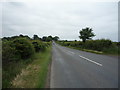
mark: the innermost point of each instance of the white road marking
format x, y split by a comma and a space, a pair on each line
91, 60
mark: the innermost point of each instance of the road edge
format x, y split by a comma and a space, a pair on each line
47, 84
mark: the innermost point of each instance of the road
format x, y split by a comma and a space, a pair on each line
78, 69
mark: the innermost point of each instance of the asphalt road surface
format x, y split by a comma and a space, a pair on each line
78, 69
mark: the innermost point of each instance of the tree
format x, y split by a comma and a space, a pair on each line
86, 34
35, 37
75, 40
44, 38
49, 38
22, 36
56, 38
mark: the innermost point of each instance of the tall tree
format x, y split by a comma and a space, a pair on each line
86, 34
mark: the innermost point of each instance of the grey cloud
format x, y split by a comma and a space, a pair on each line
62, 19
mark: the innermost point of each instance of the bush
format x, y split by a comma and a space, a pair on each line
23, 47
98, 45
19, 48
39, 46
47, 44
8, 52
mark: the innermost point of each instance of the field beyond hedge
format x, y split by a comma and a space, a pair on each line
100, 46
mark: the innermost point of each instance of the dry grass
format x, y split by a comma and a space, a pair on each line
34, 75
27, 78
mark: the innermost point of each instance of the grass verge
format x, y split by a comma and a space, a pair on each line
87, 50
35, 74
107, 51
28, 75
10, 71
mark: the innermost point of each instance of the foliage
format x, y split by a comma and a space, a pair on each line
98, 44
39, 46
44, 38
49, 38
104, 45
17, 52
8, 52
86, 34
36, 71
23, 47
9, 72
35, 37
55, 38
14, 37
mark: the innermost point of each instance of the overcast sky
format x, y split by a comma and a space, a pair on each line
64, 19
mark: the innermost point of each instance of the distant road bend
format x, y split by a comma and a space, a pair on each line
78, 69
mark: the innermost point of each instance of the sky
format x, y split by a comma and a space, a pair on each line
63, 18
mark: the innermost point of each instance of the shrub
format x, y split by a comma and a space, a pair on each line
89, 44
19, 48
39, 46
112, 50
46, 44
8, 52
98, 44
23, 47
66, 43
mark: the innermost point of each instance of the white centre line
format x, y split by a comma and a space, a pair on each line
91, 60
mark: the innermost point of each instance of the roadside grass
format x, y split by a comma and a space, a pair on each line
0, 63
87, 50
10, 71
107, 51
0, 77
112, 51
35, 74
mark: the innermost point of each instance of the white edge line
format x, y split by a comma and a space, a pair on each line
91, 60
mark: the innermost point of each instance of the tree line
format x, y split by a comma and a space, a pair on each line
35, 37
46, 38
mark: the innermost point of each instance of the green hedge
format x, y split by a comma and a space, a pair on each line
104, 45
19, 48
23, 47
38, 45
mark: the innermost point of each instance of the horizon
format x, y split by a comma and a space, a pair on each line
60, 38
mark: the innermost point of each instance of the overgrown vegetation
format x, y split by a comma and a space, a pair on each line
34, 75
102, 45
17, 53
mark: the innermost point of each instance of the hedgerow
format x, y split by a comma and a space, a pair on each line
104, 45
39, 46
17, 52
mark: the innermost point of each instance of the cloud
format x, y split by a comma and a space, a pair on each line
64, 19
